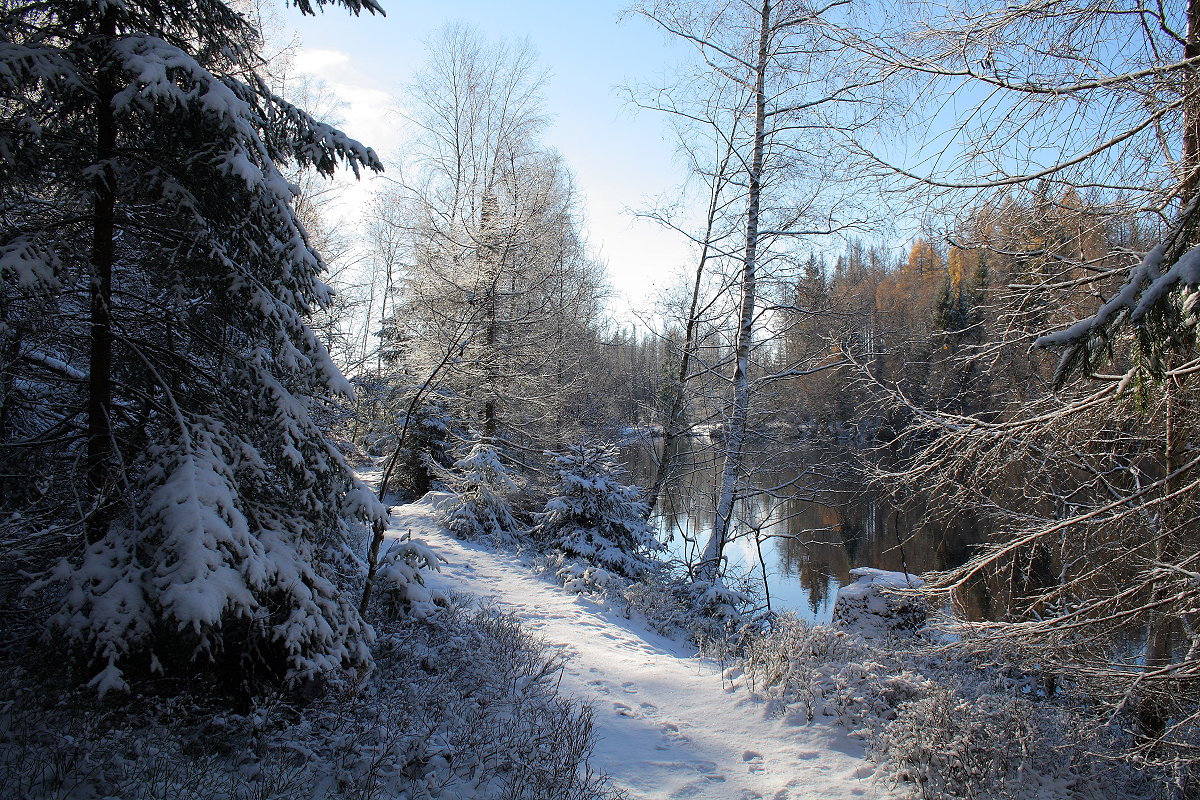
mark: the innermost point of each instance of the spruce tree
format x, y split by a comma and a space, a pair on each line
596, 517
156, 369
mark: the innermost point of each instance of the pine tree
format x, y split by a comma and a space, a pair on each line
157, 370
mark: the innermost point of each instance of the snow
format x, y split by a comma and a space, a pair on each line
1147, 285
872, 606
155, 65
668, 724
481, 486
596, 517
869, 581
194, 563
54, 365
29, 264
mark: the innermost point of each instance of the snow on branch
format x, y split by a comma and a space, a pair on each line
318, 144
164, 76
354, 6
200, 561
54, 365
1147, 288
29, 264
20, 64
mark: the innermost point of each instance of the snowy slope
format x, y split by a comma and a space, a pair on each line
668, 726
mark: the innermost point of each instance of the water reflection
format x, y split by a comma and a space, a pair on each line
816, 524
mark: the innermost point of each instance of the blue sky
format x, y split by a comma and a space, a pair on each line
621, 157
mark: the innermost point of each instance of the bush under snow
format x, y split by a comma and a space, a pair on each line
207, 574
945, 726
481, 487
463, 705
400, 578
879, 603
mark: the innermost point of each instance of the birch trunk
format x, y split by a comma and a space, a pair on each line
710, 564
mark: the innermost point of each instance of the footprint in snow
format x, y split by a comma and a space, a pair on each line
670, 731
649, 708
624, 710
753, 760
630, 687
697, 787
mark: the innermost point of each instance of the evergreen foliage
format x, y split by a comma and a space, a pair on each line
594, 516
155, 288
428, 442
402, 579
482, 487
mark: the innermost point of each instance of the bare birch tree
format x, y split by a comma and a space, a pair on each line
764, 79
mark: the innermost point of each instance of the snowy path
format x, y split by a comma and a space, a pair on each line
667, 725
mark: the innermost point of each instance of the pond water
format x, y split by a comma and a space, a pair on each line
816, 524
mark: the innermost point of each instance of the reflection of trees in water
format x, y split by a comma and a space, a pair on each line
688, 499
821, 524
814, 550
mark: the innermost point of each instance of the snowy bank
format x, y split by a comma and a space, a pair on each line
876, 604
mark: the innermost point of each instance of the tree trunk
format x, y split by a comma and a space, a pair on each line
492, 382
8, 358
99, 423
490, 254
1191, 107
710, 563
674, 421
1151, 714
673, 426
378, 529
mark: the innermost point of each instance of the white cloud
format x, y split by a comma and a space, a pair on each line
318, 62
365, 113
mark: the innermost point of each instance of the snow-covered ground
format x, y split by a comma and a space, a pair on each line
668, 725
